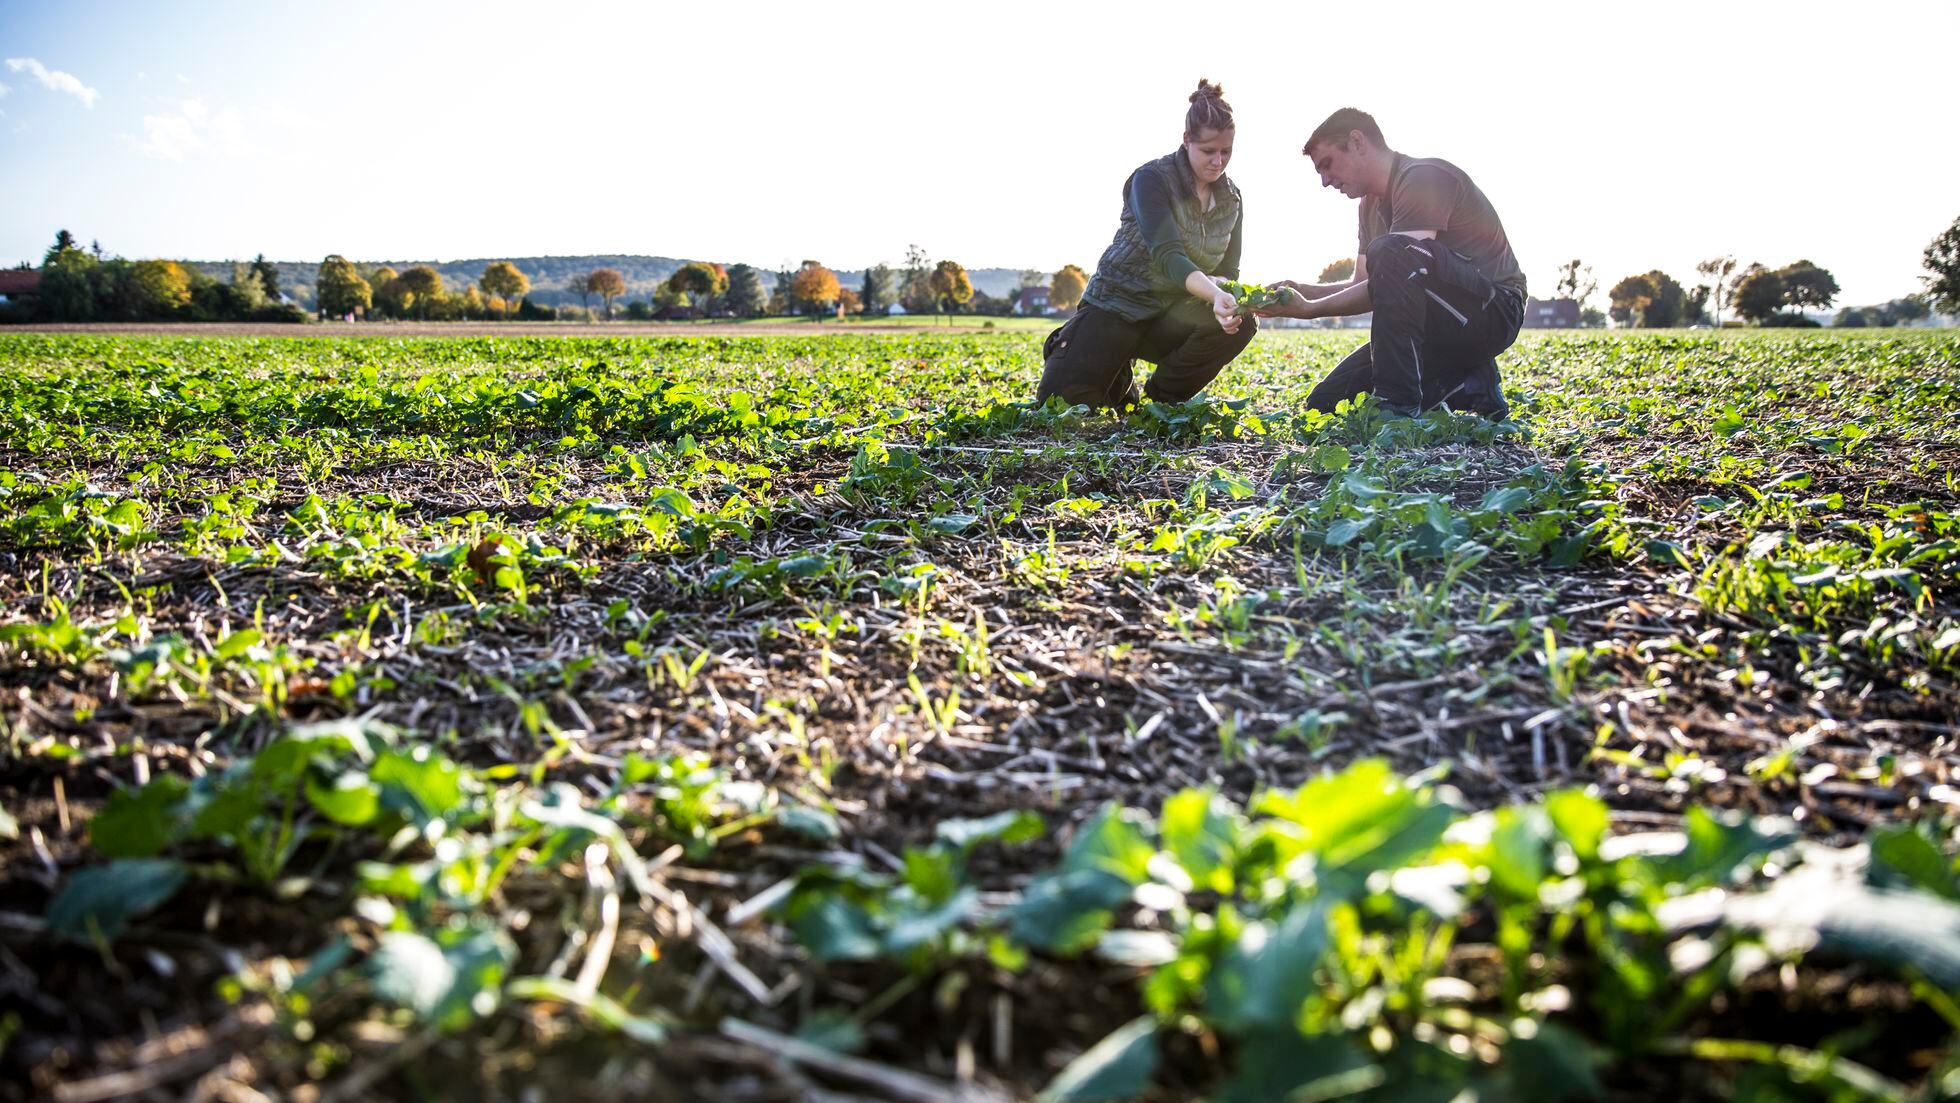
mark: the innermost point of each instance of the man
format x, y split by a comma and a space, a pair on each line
1434, 267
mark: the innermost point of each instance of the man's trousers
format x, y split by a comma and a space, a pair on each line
1439, 325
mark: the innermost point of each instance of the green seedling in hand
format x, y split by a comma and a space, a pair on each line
1252, 296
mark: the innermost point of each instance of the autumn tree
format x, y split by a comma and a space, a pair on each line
608, 284
391, 299
579, 283
1757, 294
157, 288
700, 281
876, 293
1717, 270
848, 302
744, 296
1942, 259
1341, 271
814, 286
338, 288
504, 281
1629, 300
1066, 286
949, 286
424, 286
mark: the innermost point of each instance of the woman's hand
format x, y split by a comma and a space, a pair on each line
1226, 309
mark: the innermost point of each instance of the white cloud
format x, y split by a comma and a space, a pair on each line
193, 127
4, 89
54, 80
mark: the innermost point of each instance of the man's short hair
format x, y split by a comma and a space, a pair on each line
1337, 127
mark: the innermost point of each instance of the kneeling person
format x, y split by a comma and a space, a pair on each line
1152, 297
1435, 268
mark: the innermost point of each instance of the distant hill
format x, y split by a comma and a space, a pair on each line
551, 276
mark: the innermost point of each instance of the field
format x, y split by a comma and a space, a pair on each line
777, 717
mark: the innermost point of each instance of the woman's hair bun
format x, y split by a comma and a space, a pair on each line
1207, 90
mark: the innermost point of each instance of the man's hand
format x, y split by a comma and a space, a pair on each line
1291, 304
1225, 308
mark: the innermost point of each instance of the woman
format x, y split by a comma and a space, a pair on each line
1151, 296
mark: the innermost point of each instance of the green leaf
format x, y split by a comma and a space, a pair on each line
1914, 930
1518, 861
1343, 533
1903, 857
226, 806
1202, 832
932, 872
1581, 819
1014, 826
237, 643
1065, 912
804, 566
814, 823
100, 902
419, 783
1112, 842
1716, 848
1553, 1064
913, 926
1508, 499
1331, 458
137, 823
351, 799
833, 928
1669, 553
952, 524
1363, 487
445, 984
1282, 1065
1265, 978
1118, 1067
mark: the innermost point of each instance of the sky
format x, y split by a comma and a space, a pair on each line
1629, 136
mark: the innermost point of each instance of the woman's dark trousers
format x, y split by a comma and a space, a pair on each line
1087, 359
1439, 325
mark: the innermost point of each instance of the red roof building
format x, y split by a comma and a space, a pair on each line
15, 282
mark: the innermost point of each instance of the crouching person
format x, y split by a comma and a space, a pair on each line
1153, 297
1434, 266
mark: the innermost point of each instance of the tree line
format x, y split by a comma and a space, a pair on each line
1759, 295
921, 286
90, 285
698, 289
